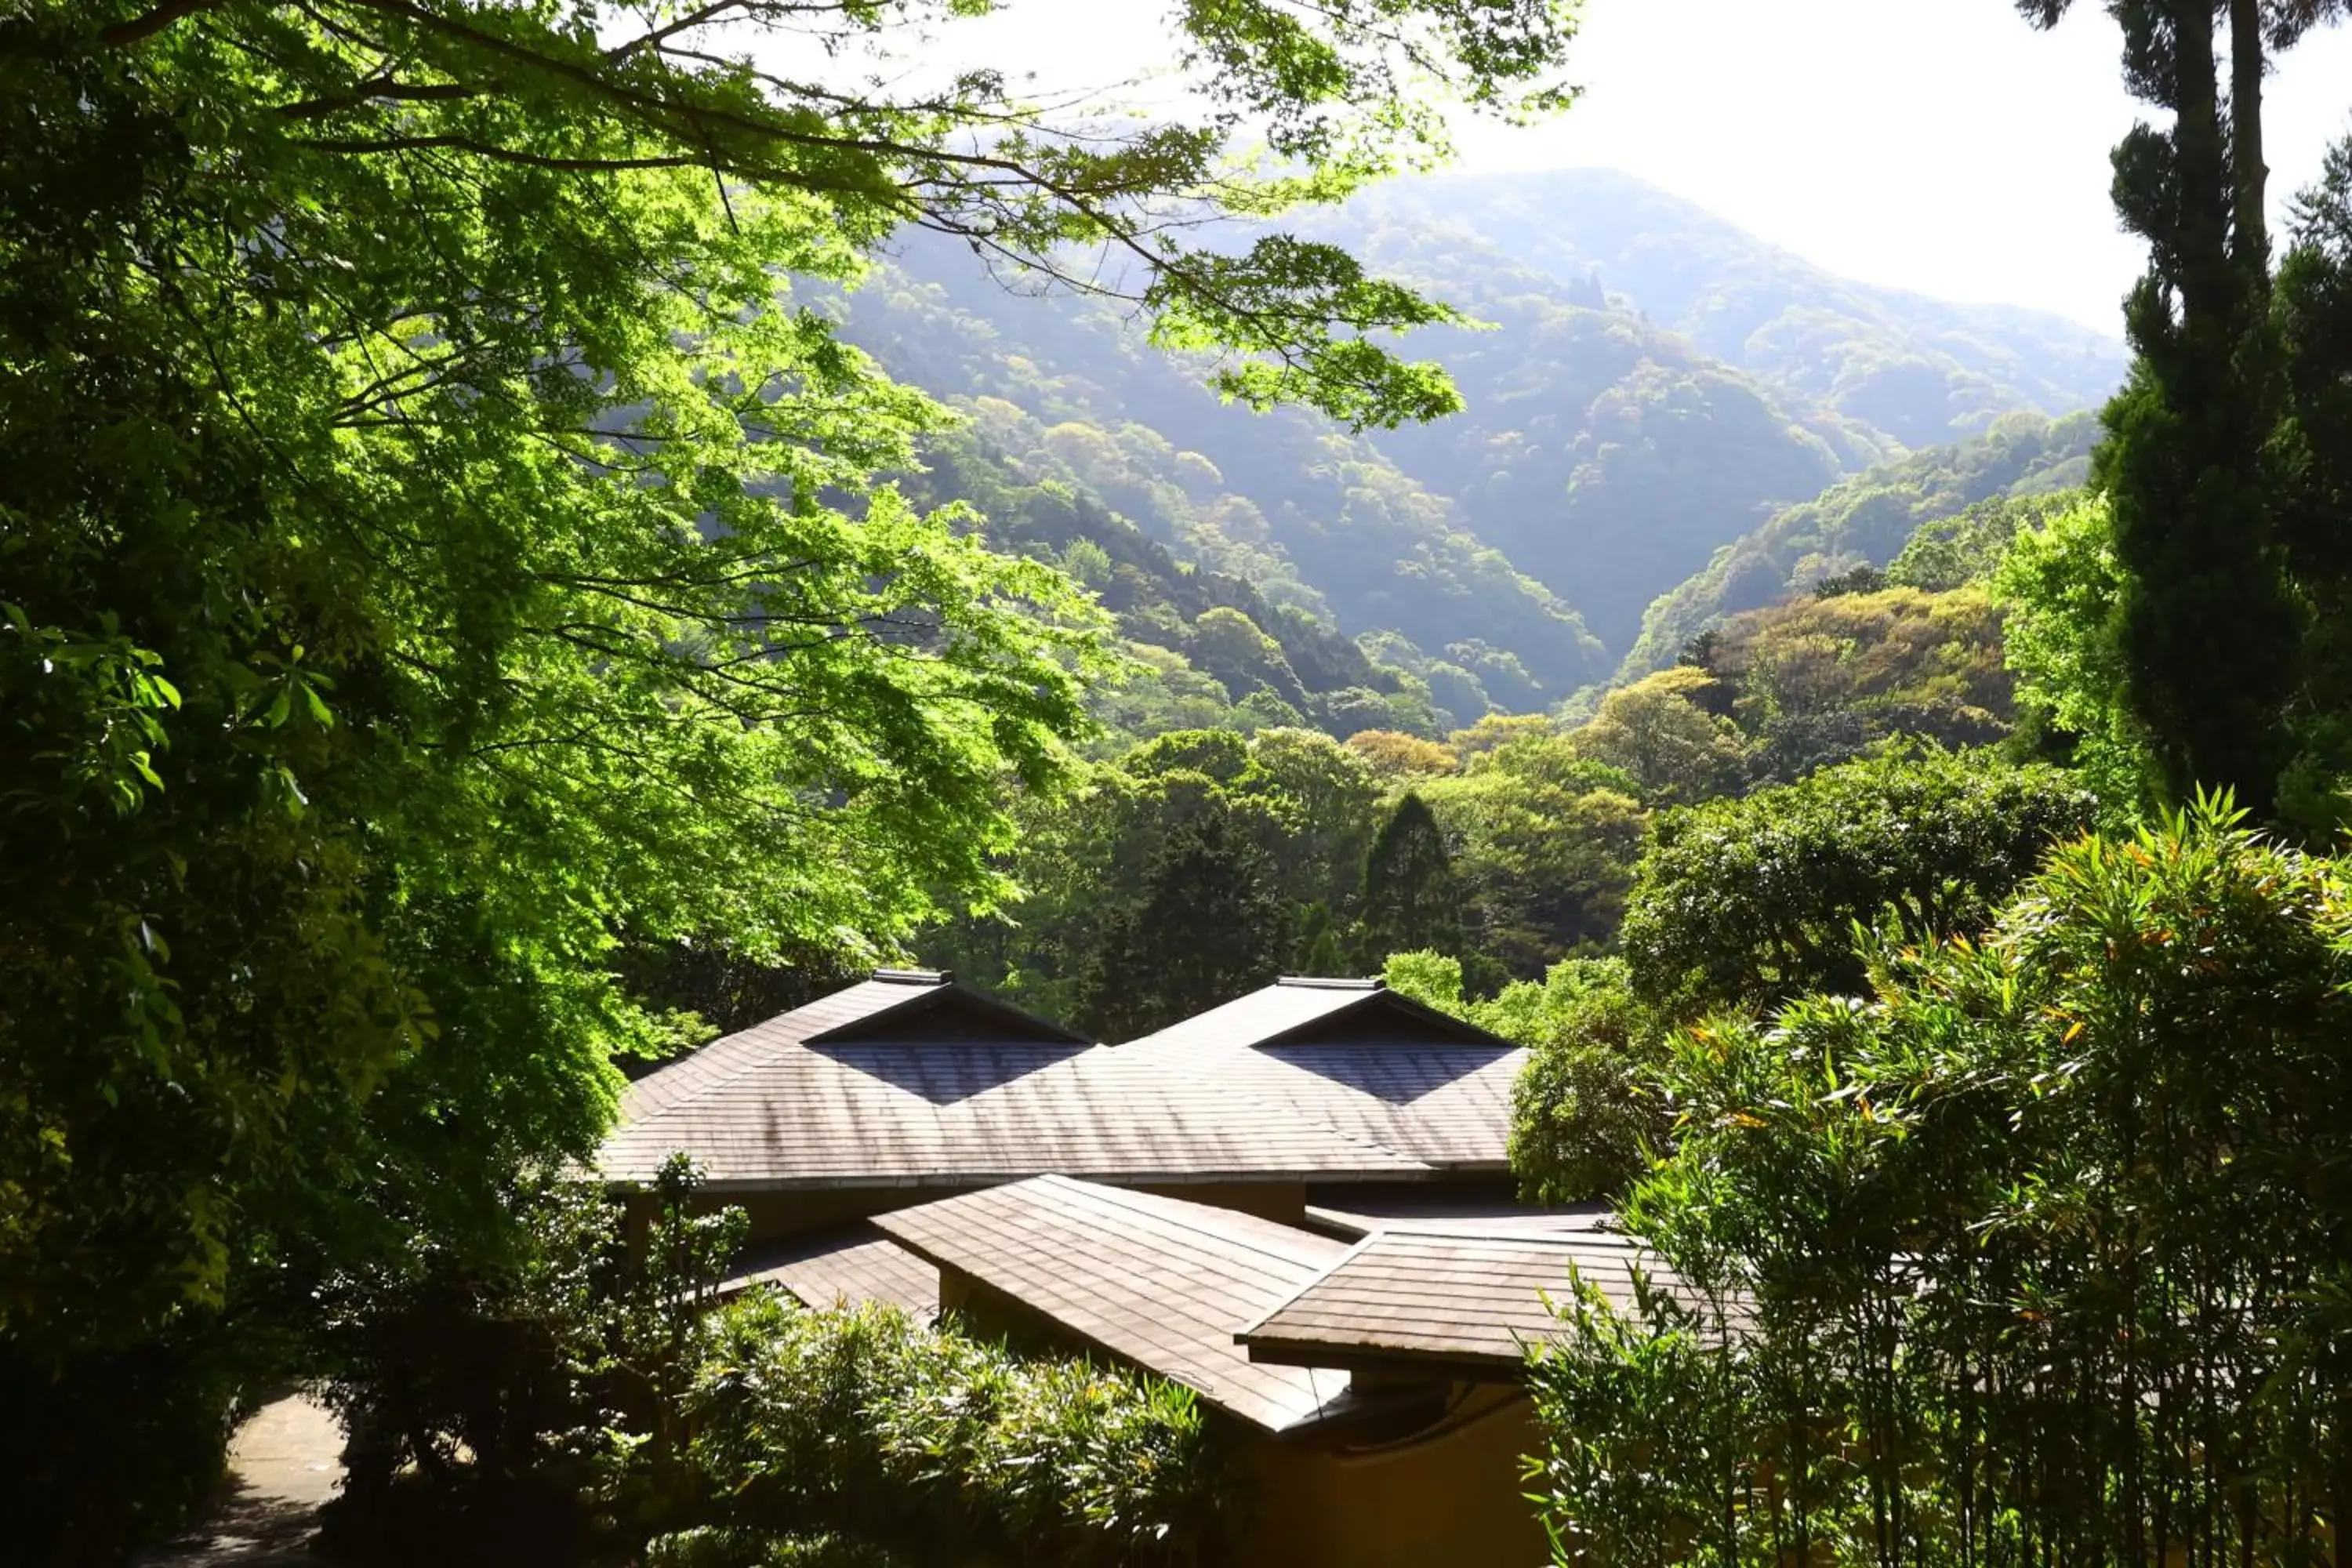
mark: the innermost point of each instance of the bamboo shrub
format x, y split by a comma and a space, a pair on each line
2039, 1254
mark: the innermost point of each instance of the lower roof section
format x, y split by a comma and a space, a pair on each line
1473, 1300
1156, 1281
845, 1266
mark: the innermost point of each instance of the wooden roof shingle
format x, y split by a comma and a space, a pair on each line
863, 1089
845, 1266
1361, 1058
1155, 1282
1452, 1296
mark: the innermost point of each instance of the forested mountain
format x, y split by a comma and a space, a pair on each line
1604, 454
1648, 386
1063, 389
1861, 521
1919, 370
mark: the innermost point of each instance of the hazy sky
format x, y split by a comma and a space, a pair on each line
1940, 145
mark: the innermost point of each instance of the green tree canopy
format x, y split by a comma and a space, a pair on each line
2208, 620
1742, 903
1412, 898
2039, 1244
1541, 842
1206, 926
443, 552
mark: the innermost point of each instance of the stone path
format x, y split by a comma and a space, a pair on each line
283, 1464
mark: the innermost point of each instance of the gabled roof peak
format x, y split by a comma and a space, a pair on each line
1331, 982
936, 1010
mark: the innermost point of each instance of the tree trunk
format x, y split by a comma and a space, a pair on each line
2249, 174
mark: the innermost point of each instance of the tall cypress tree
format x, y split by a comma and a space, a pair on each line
2209, 623
1208, 925
1411, 898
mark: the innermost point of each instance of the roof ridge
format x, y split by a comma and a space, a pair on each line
1120, 1197
1227, 1086
756, 1061
1466, 1231
923, 987
1328, 1269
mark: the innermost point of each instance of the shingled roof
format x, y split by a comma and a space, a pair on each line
907, 1079
1356, 1055
1447, 1296
846, 1265
1156, 1281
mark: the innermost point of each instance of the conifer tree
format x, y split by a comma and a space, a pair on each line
2208, 621
1207, 926
1411, 899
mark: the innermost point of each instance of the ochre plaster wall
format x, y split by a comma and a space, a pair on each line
1451, 1502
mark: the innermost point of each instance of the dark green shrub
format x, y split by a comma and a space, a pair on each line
2047, 1240
103, 1451
1743, 903
522, 1405
822, 1431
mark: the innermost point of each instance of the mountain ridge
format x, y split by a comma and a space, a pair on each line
1509, 556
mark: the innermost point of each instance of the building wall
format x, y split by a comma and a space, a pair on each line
1282, 1202
791, 1211
1448, 1500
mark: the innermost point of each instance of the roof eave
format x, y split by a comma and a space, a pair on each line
1475, 1365
1122, 1176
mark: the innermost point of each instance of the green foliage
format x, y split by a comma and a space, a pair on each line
106, 1450
524, 1404
2061, 583
1866, 519
1598, 461
1228, 635
577, 1399
2314, 453
1313, 520
1967, 548
449, 665
925, 1447
1205, 924
1411, 898
1658, 732
2205, 618
1542, 841
1249, 844
1816, 681
1588, 1113
1744, 903
2037, 1249
444, 559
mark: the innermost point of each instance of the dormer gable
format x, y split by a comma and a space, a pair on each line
1375, 1016
936, 1010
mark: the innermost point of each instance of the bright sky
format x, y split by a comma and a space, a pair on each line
1939, 145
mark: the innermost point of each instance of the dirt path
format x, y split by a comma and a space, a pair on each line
282, 1466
